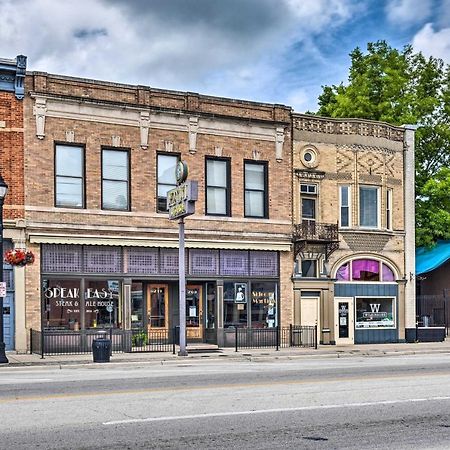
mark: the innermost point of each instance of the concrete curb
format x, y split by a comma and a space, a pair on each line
249, 357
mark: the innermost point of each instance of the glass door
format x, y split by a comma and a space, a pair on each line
344, 320
194, 312
157, 306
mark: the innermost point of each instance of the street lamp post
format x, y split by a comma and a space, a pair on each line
3, 191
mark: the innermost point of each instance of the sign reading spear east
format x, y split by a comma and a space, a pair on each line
181, 203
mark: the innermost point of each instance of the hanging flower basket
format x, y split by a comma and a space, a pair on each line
19, 257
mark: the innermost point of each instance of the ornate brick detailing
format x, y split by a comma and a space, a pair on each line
344, 159
367, 178
371, 162
394, 181
347, 127
345, 176
366, 242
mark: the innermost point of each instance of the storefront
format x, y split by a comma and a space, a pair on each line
366, 302
88, 287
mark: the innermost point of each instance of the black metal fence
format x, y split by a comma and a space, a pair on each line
122, 341
278, 337
433, 311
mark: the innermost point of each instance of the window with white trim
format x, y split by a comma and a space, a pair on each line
115, 180
375, 312
69, 176
369, 203
218, 187
389, 209
344, 205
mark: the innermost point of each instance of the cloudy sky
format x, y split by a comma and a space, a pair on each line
278, 51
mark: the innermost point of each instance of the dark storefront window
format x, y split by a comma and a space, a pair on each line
62, 306
137, 305
375, 312
235, 304
193, 306
102, 304
210, 305
264, 305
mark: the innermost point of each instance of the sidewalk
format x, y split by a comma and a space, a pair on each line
324, 351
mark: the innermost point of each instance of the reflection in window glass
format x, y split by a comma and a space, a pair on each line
235, 304
375, 313
102, 304
343, 273
115, 180
388, 274
217, 187
264, 305
166, 178
309, 268
365, 270
368, 206
69, 173
255, 190
62, 305
137, 306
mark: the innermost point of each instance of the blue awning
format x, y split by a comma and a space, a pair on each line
428, 259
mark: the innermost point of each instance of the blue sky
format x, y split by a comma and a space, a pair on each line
278, 51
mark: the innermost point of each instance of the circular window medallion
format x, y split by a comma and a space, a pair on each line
309, 156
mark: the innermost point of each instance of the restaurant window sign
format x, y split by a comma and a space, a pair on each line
66, 308
375, 312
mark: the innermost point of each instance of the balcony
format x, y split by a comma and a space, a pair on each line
316, 234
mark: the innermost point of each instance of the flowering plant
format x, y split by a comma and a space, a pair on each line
19, 257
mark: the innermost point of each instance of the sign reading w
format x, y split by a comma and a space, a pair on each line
375, 307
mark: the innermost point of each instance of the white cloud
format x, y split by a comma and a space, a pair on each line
408, 12
433, 43
232, 47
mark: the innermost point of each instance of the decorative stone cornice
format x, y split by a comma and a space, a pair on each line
359, 127
12, 75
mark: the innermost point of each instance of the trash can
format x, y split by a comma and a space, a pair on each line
101, 348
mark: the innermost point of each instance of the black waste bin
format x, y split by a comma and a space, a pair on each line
101, 349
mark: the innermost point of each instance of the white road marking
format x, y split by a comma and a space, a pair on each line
275, 410
24, 380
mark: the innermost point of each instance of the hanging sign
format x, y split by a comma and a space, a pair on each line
181, 200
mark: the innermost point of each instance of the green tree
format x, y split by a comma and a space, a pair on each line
403, 87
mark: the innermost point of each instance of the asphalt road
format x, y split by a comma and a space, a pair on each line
369, 402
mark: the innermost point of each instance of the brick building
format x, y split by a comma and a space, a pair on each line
353, 197
300, 220
12, 76
99, 160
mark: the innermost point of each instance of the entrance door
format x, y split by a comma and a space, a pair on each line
194, 312
8, 308
309, 313
344, 322
157, 306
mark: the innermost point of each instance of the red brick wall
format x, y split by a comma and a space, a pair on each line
11, 154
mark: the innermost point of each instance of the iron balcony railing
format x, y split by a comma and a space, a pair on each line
316, 232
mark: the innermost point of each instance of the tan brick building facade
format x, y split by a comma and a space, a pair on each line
349, 206
267, 245
97, 117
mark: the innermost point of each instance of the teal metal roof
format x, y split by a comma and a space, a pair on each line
428, 259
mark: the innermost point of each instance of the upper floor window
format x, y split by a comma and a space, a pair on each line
389, 209
309, 268
308, 202
255, 181
218, 187
115, 180
369, 215
69, 176
166, 166
344, 205
365, 270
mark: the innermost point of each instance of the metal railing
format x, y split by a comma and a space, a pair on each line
50, 342
316, 231
277, 337
433, 311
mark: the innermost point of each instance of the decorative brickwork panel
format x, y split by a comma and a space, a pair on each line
264, 264
367, 242
233, 262
61, 258
102, 259
141, 260
203, 262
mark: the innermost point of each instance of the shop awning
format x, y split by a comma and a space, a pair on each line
428, 259
282, 246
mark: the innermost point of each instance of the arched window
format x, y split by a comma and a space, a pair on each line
365, 269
